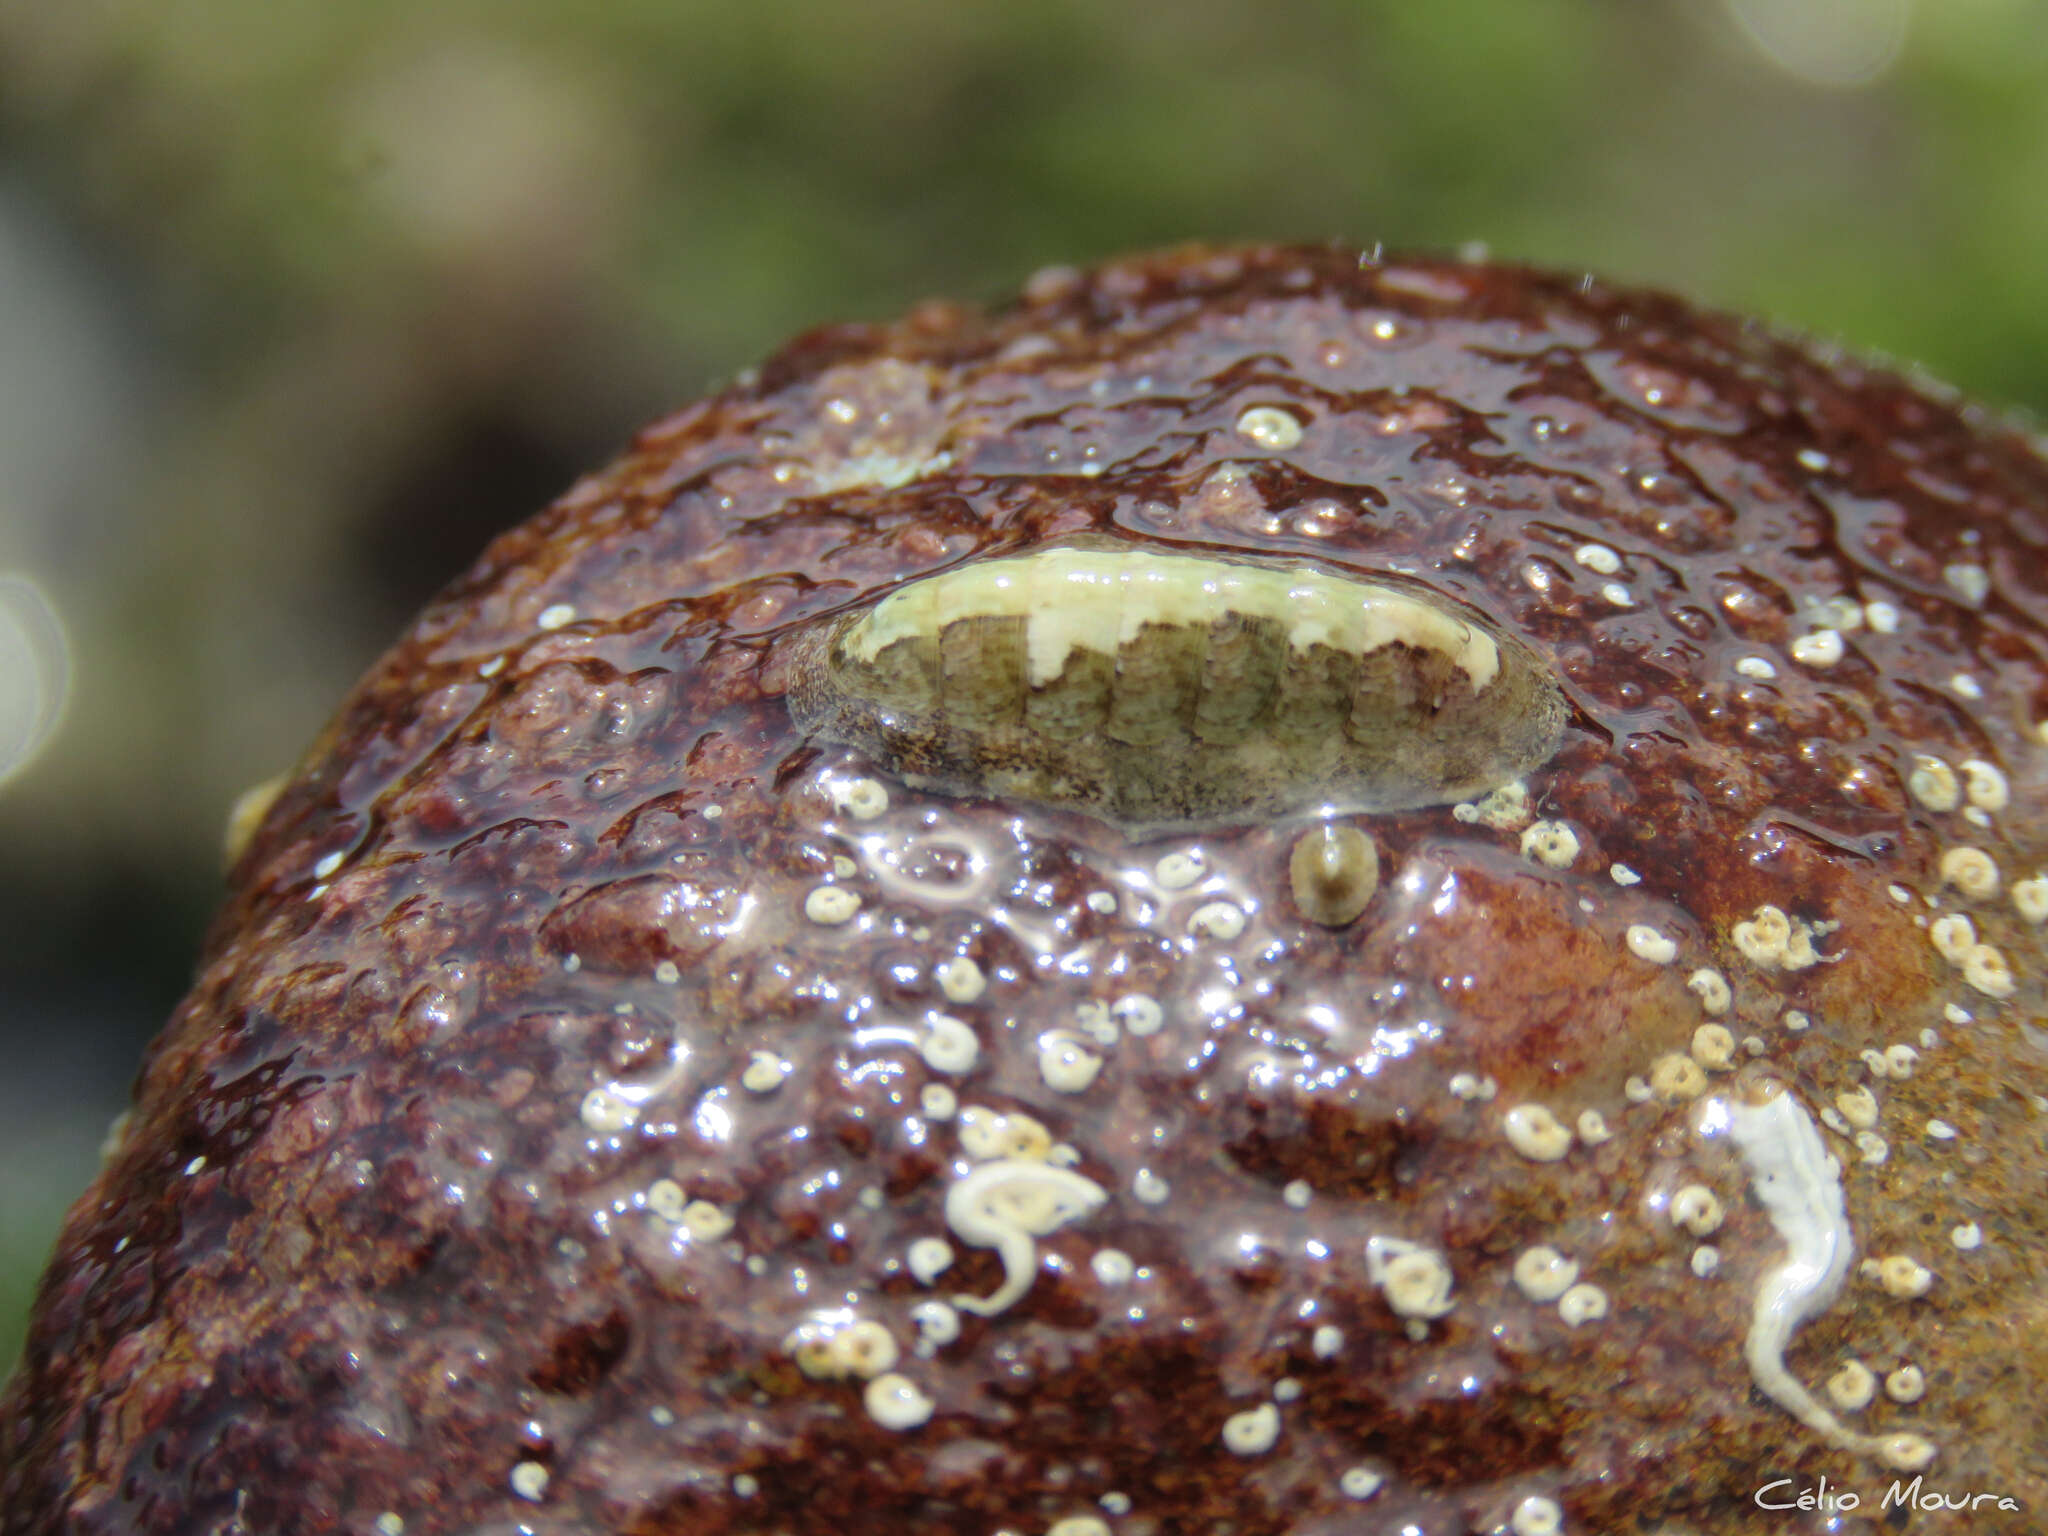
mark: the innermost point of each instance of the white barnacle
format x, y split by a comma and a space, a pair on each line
1270, 426
987, 1135
1985, 785
1252, 1432
894, 1402
1415, 1280
938, 1324
1139, 1013
1537, 1516
1713, 1047
1821, 648
1771, 940
949, 1044
1676, 1076
1858, 1107
1985, 968
1150, 1187
1711, 988
764, 1072
1971, 871
1800, 1188
606, 1112
1178, 870
1953, 937
530, 1479
1697, 1209
1582, 1304
1933, 783
666, 1199
1651, 944
1006, 1205
1853, 1386
1598, 558
1553, 844
831, 905
1112, 1266
1838, 612
703, 1221
862, 799
835, 1346
1543, 1274
2030, 898
1065, 1062
1216, 920
928, 1258
1505, 809
1905, 1452
1359, 1482
1970, 582
1536, 1133
960, 979
1904, 1276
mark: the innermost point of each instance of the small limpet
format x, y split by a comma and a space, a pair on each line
1333, 872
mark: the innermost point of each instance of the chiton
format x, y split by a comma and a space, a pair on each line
1149, 687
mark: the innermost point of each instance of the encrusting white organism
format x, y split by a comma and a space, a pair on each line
1007, 1205
1800, 1188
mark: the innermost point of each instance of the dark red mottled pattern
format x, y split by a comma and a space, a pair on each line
405, 1265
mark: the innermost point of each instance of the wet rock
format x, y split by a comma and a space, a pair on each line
606, 1106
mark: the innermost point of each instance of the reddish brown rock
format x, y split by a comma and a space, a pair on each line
539, 1150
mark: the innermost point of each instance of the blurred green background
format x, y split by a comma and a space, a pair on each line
300, 301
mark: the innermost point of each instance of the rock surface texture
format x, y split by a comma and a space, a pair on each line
604, 1107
